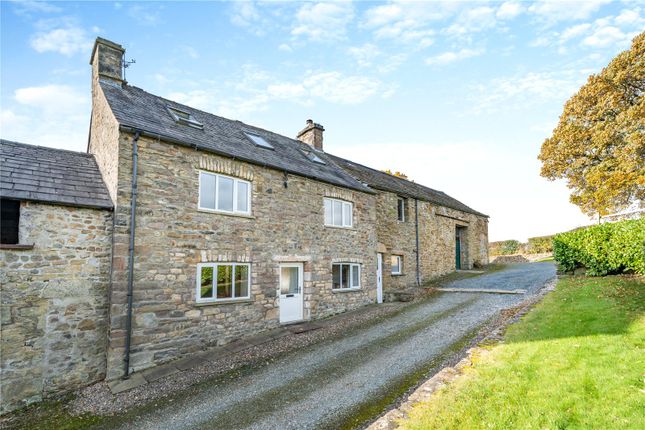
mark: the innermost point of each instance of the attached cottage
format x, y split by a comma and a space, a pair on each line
206, 230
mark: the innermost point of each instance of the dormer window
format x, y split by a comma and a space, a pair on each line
183, 117
313, 157
258, 140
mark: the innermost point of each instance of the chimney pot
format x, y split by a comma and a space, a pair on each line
312, 135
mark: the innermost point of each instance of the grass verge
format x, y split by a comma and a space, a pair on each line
575, 361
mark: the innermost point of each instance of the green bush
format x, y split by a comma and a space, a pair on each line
603, 249
540, 244
510, 247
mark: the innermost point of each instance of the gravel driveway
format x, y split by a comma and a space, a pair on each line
324, 385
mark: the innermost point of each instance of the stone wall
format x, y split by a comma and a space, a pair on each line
173, 236
437, 227
54, 303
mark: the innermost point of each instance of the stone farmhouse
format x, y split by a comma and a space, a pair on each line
179, 230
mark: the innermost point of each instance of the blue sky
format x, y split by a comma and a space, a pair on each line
457, 95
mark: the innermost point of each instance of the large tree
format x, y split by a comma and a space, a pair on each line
599, 143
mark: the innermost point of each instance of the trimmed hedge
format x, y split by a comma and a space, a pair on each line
603, 249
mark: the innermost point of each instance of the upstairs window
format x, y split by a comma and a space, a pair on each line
338, 213
183, 117
346, 276
9, 221
258, 140
397, 264
222, 281
400, 208
224, 194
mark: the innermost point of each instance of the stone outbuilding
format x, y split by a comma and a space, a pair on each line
55, 257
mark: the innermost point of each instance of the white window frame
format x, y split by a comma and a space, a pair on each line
200, 266
343, 222
403, 205
400, 265
236, 181
352, 267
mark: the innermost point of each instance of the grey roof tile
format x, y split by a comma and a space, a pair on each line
138, 109
383, 181
51, 175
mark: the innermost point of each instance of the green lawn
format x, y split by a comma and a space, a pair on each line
576, 361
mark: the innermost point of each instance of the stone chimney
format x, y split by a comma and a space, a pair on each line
107, 61
312, 135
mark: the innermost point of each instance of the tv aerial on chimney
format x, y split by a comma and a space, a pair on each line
127, 64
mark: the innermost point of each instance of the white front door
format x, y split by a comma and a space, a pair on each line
291, 297
379, 278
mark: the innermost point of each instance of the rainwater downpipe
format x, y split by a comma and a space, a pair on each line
133, 211
416, 229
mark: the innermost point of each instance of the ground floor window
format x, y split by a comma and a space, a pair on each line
397, 264
222, 281
346, 276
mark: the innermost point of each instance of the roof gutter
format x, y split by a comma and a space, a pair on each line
246, 160
133, 213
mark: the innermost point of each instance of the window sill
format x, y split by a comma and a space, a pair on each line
398, 274
17, 246
224, 302
339, 227
233, 214
345, 290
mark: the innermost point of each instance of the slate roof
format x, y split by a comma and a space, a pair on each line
36, 173
383, 181
137, 109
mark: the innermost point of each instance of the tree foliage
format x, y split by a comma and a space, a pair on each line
599, 144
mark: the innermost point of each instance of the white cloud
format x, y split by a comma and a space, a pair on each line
473, 20
284, 47
522, 91
48, 115
364, 54
323, 21
51, 98
246, 14
190, 51
286, 91
509, 10
407, 22
27, 7
336, 88
145, 14
451, 57
552, 11
67, 41
605, 36
610, 31
630, 18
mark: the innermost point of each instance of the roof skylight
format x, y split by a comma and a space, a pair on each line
183, 117
258, 140
313, 157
